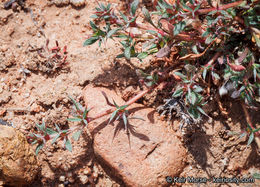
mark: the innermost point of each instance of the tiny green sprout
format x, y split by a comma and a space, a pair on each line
256, 175
251, 134
63, 135
81, 113
150, 80
122, 113
119, 112
41, 137
249, 131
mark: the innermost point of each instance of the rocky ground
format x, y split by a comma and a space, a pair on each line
33, 90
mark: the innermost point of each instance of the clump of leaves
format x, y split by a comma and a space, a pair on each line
212, 49
217, 46
41, 137
55, 57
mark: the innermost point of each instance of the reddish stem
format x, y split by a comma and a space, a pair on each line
131, 101
214, 58
224, 7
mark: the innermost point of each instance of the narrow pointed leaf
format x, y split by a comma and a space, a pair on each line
134, 6
112, 116
50, 131
57, 127
74, 119
74, 102
204, 73
242, 135
202, 111
85, 113
112, 32
76, 135
90, 41
142, 55
123, 107
93, 26
124, 119
127, 53
177, 93
68, 145
85, 122
250, 139
55, 138
123, 16
38, 148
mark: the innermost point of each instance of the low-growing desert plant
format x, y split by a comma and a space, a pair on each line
204, 49
218, 44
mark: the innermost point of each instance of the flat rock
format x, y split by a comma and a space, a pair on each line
18, 164
142, 157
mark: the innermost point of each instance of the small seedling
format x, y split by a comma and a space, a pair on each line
250, 132
119, 113
55, 57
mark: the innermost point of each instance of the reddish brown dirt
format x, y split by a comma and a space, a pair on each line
42, 95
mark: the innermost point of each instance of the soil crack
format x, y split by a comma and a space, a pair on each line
150, 152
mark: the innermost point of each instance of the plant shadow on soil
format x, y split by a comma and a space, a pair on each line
129, 132
120, 76
199, 143
238, 116
120, 126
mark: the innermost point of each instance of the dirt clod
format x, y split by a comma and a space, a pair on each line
157, 152
18, 164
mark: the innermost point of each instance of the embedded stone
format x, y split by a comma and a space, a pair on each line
18, 163
143, 155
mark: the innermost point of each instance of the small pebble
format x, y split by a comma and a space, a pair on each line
71, 180
66, 168
95, 169
87, 171
62, 178
215, 114
83, 179
48, 154
95, 175
26, 95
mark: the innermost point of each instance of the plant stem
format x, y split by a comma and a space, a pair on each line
224, 7
214, 58
132, 100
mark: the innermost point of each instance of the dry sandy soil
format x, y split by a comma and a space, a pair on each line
42, 95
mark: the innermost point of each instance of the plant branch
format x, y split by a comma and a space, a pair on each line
131, 101
223, 7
